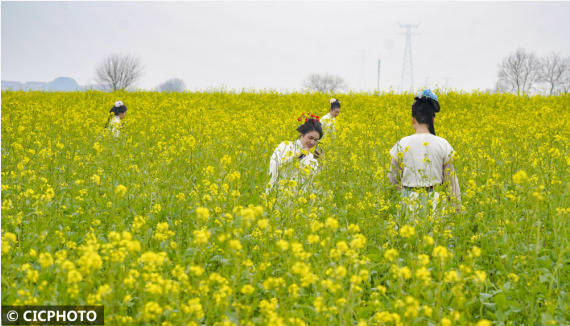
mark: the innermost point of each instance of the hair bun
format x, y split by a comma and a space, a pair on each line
436, 107
118, 104
333, 100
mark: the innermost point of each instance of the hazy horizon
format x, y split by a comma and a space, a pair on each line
246, 45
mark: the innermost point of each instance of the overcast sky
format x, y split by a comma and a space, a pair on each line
275, 45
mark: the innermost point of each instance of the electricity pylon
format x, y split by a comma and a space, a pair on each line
407, 81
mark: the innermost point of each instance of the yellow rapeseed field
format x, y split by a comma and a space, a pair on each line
169, 224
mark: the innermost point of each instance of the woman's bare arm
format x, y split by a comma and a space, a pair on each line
394, 175
450, 178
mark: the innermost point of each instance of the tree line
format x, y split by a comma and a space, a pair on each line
521, 72
120, 72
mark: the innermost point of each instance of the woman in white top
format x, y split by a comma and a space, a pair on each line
292, 162
116, 115
423, 160
328, 120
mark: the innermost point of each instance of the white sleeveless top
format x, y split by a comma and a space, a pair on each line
423, 157
115, 126
328, 123
282, 164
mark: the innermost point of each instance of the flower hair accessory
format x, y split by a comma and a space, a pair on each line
427, 93
118, 104
306, 117
333, 100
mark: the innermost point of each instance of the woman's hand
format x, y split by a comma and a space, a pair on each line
318, 153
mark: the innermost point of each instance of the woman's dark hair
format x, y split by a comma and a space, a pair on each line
334, 105
424, 110
310, 125
115, 111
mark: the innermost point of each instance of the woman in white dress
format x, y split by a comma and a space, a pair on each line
328, 120
422, 161
116, 115
292, 164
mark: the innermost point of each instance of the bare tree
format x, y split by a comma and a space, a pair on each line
324, 83
555, 71
519, 72
172, 85
118, 72
565, 89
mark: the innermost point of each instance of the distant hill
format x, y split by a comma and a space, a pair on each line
63, 84
11, 85
60, 84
